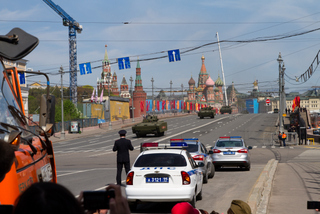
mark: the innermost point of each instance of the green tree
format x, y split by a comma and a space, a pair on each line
70, 112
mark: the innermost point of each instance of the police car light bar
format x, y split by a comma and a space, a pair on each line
230, 137
155, 145
185, 139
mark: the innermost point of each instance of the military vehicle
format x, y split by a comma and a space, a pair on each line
226, 109
150, 125
207, 112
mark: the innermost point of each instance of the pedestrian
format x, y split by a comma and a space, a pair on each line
286, 111
186, 208
122, 146
239, 207
284, 137
280, 138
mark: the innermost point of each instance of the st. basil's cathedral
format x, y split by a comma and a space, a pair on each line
205, 93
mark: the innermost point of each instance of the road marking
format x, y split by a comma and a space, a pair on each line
171, 136
88, 170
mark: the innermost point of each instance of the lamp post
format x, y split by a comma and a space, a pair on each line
109, 80
153, 107
62, 135
131, 80
280, 61
182, 90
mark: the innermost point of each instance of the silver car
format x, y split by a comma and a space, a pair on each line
231, 151
201, 155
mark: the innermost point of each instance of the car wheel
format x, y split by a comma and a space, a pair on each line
199, 196
211, 175
247, 168
205, 178
161, 133
193, 202
138, 135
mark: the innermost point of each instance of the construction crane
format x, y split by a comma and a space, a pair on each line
74, 27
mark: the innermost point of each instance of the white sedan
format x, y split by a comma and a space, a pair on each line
164, 175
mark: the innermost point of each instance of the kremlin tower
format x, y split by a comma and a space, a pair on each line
139, 96
106, 70
124, 89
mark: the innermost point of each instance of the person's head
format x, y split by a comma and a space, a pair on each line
122, 133
282, 132
7, 157
239, 207
186, 208
47, 197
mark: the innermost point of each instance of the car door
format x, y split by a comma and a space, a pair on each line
197, 175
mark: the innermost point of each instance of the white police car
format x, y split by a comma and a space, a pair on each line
164, 175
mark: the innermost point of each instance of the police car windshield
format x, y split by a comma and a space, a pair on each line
160, 160
192, 148
229, 144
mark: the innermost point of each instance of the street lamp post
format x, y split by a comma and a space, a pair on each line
131, 80
280, 60
62, 135
109, 79
153, 107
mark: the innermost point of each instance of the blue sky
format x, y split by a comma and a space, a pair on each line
162, 25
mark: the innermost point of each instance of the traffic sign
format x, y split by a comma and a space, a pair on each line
85, 68
267, 101
124, 63
22, 78
174, 55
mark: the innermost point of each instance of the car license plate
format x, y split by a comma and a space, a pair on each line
228, 153
157, 180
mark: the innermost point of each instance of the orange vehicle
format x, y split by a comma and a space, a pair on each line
33, 152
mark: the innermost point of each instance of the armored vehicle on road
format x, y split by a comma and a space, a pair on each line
150, 125
226, 109
207, 112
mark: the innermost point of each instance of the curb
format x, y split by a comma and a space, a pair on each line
260, 193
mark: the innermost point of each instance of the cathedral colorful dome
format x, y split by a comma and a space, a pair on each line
219, 81
191, 81
209, 82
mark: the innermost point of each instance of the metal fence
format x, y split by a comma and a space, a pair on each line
83, 124
292, 139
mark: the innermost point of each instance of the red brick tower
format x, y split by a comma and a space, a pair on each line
114, 84
139, 96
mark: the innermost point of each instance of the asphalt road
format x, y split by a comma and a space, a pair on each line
88, 163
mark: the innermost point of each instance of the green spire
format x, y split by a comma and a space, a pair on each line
138, 64
106, 58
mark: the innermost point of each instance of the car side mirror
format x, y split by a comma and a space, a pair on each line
249, 147
200, 164
210, 152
